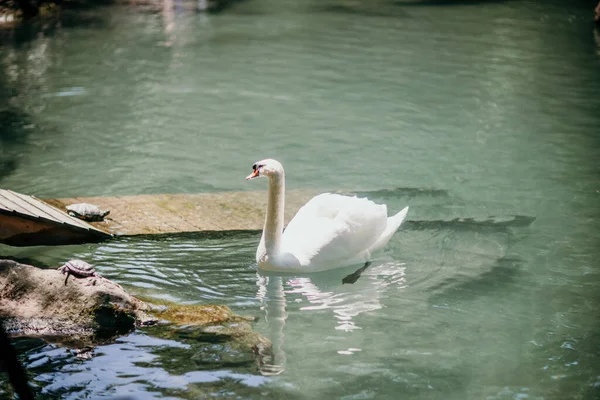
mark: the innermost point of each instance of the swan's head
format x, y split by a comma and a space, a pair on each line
268, 168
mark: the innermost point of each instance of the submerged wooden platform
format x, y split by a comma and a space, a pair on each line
173, 213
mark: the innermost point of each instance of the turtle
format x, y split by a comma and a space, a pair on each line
77, 268
87, 212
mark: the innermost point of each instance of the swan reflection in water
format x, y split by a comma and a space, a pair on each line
323, 291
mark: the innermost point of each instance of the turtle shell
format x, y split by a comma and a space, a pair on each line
78, 267
88, 212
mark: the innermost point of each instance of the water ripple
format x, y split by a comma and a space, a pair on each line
201, 270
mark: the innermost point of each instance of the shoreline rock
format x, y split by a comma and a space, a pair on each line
35, 302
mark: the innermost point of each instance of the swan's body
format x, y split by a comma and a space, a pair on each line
329, 231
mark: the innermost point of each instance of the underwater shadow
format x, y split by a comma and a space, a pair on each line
27, 31
398, 192
491, 224
444, 3
503, 272
363, 9
200, 235
14, 129
79, 14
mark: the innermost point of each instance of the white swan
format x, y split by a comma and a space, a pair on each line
329, 231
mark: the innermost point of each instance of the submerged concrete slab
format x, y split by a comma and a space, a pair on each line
174, 213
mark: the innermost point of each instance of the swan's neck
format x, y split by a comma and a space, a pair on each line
271, 236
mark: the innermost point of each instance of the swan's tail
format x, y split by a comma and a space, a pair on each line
393, 223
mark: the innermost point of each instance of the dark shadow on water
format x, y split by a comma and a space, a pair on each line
363, 9
403, 192
446, 3
14, 129
217, 7
90, 14
12, 126
491, 224
83, 20
13, 367
76, 15
85, 4
393, 9
203, 235
503, 272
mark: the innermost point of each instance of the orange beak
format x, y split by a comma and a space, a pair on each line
252, 175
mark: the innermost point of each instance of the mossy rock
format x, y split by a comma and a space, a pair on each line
86, 311
216, 336
200, 314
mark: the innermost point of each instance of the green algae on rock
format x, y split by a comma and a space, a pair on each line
213, 325
91, 310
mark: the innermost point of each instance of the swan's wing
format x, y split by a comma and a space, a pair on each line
332, 227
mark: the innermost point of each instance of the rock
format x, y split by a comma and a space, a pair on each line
93, 309
200, 315
36, 302
215, 333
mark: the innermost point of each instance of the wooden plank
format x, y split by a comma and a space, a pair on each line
11, 205
27, 221
57, 214
55, 209
36, 208
19, 230
30, 208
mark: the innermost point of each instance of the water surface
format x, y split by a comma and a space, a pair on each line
481, 116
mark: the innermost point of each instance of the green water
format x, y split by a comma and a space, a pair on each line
461, 110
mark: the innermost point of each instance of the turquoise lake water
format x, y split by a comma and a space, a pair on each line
483, 117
